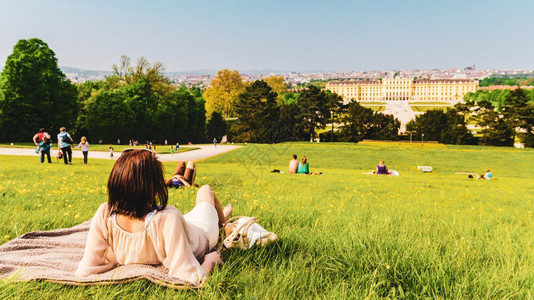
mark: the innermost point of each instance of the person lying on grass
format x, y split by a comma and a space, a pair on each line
184, 175
136, 226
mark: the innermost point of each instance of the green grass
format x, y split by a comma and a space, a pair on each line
372, 103
343, 235
430, 103
161, 149
374, 107
423, 108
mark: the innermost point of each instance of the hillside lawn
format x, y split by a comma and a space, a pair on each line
161, 149
424, 108
344, 234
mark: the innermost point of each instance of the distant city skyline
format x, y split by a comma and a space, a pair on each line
331, 36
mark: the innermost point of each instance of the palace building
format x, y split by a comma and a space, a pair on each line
404, 89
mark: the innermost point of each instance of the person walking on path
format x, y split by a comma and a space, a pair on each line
42, 140
214, 142
38, 138
64, 140
85, 148
46, 145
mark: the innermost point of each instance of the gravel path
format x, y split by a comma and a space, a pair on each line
204, 152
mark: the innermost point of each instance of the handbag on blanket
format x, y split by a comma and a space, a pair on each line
245, 232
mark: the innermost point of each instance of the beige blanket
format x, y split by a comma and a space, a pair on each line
54, 256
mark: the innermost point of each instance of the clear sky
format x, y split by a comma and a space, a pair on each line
330, 35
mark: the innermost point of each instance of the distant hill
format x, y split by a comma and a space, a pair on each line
82, 72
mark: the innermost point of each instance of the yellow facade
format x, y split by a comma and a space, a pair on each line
408, 89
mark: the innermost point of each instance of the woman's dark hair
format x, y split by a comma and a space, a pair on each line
136, 184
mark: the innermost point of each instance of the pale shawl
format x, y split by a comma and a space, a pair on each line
166, 239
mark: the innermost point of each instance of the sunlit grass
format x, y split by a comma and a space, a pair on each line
344, 234
424, 108
161, 149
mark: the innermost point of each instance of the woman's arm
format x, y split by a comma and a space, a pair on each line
180, 259
94, 259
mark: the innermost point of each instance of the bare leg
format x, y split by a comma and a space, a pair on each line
206, 194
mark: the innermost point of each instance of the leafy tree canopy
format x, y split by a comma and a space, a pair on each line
216, 126
223, 91
34, 93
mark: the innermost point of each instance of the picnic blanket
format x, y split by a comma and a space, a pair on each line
54, 256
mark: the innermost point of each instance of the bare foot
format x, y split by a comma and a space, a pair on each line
227, 211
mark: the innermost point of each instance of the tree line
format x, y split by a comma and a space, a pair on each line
139, 103
267, 111
511, 80
500, 118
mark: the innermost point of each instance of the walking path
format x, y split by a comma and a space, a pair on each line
204, 152
401, 110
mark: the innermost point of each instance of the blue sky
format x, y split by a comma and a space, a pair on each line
332, 35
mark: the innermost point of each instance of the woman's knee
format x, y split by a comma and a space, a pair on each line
205, 194
190, 165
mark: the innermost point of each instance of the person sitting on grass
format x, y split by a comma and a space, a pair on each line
381, 169
136, 226
184, 175
304, 166
293, 164
487, 176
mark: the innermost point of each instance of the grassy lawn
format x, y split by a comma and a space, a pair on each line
423, 108
344, 234
161, 149
429, 103
374, 107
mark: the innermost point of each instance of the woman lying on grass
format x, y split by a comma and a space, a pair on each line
184, 175
136, 226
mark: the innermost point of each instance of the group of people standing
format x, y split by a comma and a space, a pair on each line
43, 141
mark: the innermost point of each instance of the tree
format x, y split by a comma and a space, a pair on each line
34, 93
144, 69
432, 123
456, 132
108, 114
197, 116
383, 127
223, 91
314, 112
495, 130
216, 126
444, 127
498, 134
519, 114
257, 115
355, 120
144, 104
279, 86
